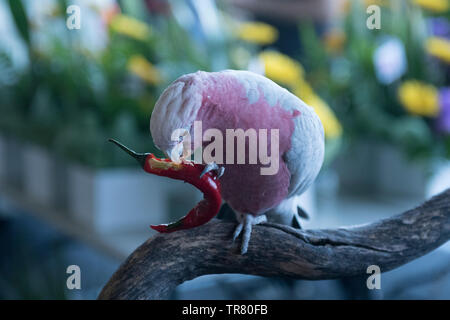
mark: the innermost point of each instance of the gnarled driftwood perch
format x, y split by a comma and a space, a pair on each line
166, 260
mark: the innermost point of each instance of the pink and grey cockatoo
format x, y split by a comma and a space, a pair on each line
233, 99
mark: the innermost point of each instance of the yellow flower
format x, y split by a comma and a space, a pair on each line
419, 98
439, 48
142, 68
129, 26
334, 40
303, 90
284, 70
281, 68
257, 32
331, 124
437, 6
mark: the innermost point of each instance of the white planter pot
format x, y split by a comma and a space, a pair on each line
373, 168
439, 180
39, 175
355, 169
397, 175
124, 200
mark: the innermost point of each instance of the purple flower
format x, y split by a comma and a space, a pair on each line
439, 27
443, 120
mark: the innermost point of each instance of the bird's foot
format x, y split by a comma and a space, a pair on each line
213, 167
246, 223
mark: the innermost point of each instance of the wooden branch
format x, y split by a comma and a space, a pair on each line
166, 260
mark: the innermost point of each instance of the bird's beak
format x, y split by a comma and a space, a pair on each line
178, 153
174, 153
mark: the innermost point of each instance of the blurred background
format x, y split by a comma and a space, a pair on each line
69, 197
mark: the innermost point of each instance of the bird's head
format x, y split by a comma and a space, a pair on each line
173, 116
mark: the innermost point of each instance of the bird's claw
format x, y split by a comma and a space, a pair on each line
213, 167
247, 225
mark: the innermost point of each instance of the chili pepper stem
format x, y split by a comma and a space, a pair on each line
140, 157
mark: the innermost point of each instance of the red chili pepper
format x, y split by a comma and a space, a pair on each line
189, 172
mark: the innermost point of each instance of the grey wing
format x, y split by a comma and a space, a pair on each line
304, 160
305, 157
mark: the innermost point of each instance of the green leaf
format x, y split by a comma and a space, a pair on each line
20, 19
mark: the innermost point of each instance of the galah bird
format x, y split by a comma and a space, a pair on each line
233, 99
